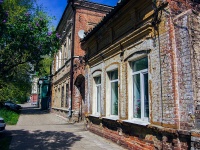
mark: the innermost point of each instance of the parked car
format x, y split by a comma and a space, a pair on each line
11, 105
2, 124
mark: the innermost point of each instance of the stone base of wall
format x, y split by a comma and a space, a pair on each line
61, 112
195, 140
65, 113
139, 137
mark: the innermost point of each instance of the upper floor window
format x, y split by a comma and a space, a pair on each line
57, 61
59, 58
53, 67
69, 45
64, 53
140, 89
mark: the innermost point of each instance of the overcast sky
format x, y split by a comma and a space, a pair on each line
56, 7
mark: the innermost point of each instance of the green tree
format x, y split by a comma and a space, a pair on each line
44, 67
17, 88
25, 37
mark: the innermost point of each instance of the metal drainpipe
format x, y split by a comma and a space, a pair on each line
72, 57
157, 29
160, 73
161, 83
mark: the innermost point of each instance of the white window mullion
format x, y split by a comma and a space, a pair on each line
113, 94
97, 95
142, 94
144, 70
98, 98
114, 81
139, 85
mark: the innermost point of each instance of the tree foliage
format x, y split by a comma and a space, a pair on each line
17, 88
24, 38
44, 66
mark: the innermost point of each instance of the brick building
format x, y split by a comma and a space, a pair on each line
143, 75
67, 82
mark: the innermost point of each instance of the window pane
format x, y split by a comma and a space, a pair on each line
140, 64
114, 75
146, 96
114, 98
98, 98
136, 96
97, 80
67, 95
62, 97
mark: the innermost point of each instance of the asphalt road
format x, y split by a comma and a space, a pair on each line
41, 130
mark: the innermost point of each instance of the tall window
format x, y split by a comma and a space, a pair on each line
59, 58
140, 89
64, 55
62, 97
98, 93
113, 76
69, 46
57, 62
67, 95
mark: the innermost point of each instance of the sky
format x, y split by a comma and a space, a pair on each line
55, 8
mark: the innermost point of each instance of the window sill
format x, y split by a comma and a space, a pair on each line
115, 118
139, 122
63, 109
93, 115
111, 118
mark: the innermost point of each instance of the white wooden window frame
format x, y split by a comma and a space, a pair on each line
57, 59
69, 45
95, 94
98, 105
141, 72
110, 97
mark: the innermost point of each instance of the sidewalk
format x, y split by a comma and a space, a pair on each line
40, 130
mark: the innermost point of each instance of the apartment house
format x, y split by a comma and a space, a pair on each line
67, 82
142, 75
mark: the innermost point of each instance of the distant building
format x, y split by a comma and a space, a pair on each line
68, 79
142, 74
44, 93
34, 91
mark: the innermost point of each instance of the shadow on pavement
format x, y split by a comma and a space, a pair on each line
5, 140
33, 111
37, 139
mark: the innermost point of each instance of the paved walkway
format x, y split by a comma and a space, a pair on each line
40, 130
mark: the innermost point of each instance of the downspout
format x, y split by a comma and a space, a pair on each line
155, 23
72, 57
50, 88
161, 81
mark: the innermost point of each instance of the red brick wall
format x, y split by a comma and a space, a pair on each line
172, 121
135, 137
179, 22
85, 20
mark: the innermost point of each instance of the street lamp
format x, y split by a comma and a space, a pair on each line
40, 82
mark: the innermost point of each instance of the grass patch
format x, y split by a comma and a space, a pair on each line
10, 117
